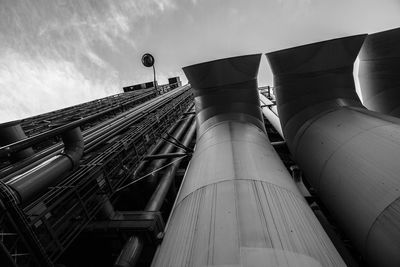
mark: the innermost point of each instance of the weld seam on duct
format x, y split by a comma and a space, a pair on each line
348, 154
231, 208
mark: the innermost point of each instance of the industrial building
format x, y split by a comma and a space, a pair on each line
217, 172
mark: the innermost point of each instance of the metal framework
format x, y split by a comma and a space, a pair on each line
57, 217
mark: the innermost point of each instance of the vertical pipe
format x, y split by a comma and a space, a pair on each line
157, 199
238, 205
132, 249
167, 148
130, 254
348, 154
161, 142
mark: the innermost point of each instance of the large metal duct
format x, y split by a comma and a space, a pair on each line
33, 182
238, 205
379, 72
349, 154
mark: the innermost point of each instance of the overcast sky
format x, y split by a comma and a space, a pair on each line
57, 53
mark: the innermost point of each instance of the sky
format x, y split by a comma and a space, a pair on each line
58, 53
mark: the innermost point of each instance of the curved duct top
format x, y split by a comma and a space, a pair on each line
214, 83
381, 45
379, 72
73, 145
329, 63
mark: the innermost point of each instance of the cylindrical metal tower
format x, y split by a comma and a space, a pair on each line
238, 205
349, 154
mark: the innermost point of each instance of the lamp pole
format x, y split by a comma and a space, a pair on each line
148, 61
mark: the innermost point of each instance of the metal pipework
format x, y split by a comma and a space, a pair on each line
33, 182
166, 149
92, 136
348, 154
153, 151
270, 114
238, 205
379, 72
11, 132
157, 199
130, 253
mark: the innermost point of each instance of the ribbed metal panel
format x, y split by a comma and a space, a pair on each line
235, 150
255, 216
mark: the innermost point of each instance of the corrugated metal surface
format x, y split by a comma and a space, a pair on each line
235, 150
224, 220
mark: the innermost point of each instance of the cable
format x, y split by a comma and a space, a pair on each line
141, 178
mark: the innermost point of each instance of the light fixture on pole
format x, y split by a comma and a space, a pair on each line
148, 61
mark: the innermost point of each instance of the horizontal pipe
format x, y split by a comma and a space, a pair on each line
31, 183
92, 136
379, 72
25, 143
348, 154
11, 132
45, 154
238, 205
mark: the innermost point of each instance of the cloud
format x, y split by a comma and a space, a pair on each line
61, 84
56, 53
